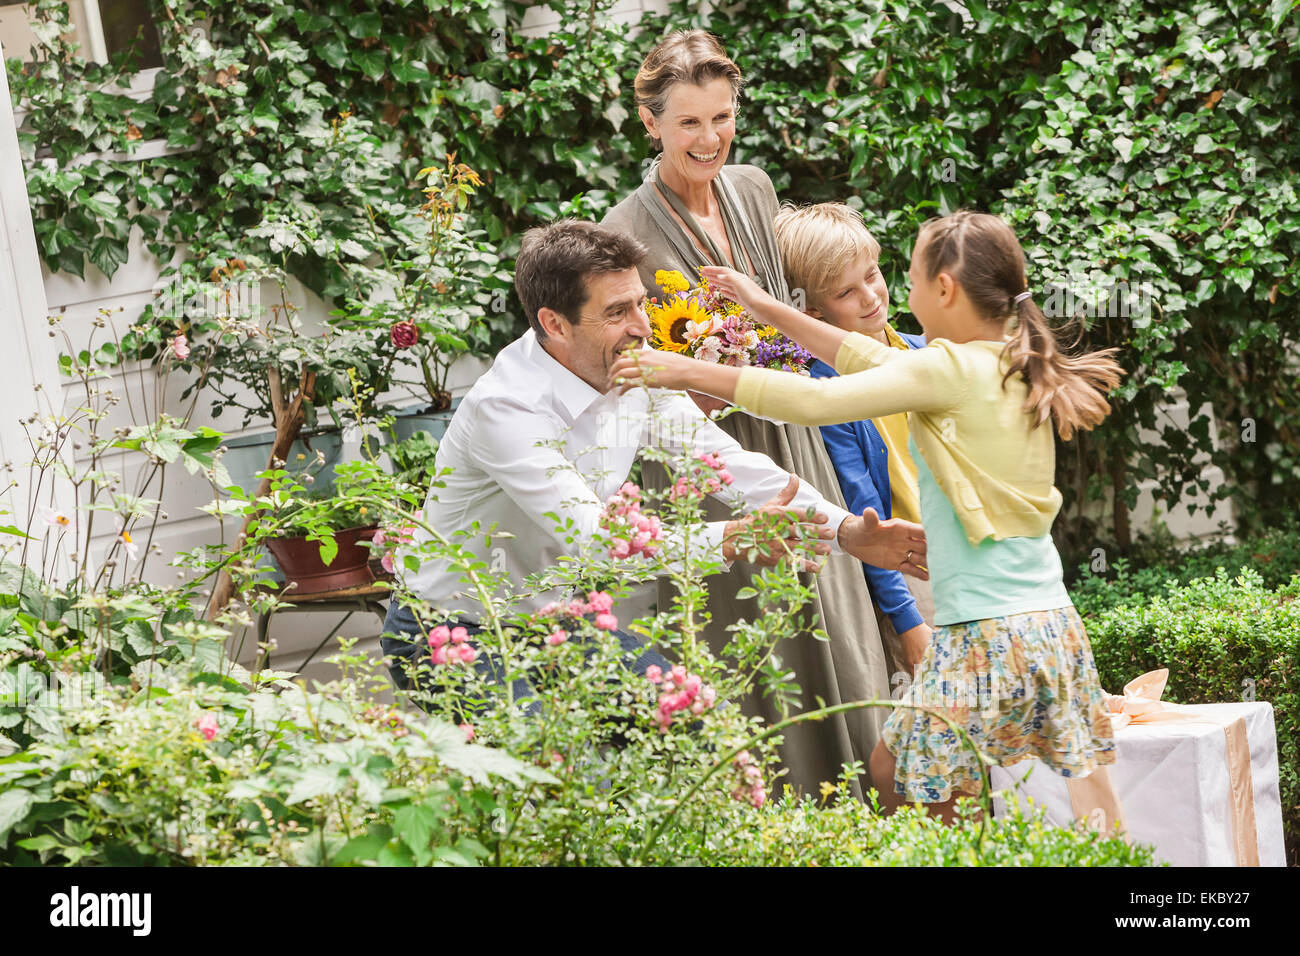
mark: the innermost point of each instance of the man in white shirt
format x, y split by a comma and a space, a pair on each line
539, 435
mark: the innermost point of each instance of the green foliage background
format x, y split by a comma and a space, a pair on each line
1142, 144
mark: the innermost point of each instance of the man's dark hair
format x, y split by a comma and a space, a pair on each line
555, 260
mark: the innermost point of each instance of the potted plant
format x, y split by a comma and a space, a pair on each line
323, 548
439, 294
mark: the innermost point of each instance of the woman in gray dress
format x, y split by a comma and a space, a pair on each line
694, 210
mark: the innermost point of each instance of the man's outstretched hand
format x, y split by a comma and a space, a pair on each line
895, 544
740, 534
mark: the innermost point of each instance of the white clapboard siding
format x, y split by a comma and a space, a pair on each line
30, 359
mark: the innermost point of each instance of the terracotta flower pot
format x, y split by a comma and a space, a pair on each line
305, 573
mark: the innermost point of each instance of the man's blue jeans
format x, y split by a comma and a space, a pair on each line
403, 654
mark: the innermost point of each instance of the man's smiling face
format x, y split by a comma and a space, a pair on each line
613, 319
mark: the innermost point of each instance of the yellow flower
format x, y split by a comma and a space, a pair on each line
670, 280
669, 323
765, 331
828, 789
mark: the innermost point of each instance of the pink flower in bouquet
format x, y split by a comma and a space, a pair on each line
709, 350
404, 334
180, 347
208, 725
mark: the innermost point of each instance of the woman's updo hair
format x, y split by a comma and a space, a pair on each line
684, 56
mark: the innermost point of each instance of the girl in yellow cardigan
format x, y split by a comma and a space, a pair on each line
1009, 660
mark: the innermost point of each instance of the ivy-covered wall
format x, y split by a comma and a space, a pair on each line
1145, 154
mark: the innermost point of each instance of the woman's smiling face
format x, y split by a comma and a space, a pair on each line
696, 128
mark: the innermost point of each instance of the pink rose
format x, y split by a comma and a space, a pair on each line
606, 622
386, 562
653, 673
468, 654
600, 602
556, 637
404, 334
208, 725
620, 549
459, 635
439, 655
439, 636
679, 675
708, 695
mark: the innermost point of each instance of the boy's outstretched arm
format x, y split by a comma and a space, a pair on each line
820, 338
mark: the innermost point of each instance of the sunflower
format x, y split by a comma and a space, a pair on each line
669, 323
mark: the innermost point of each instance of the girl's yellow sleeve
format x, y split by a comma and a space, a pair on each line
858, 352
919, 381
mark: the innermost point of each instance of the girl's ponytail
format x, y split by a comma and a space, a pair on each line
982, 253
1070, 389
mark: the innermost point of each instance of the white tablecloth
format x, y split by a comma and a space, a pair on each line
1173, 784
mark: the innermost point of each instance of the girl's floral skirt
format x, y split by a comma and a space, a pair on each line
1022, 686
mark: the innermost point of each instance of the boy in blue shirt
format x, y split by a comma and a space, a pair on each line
828, 252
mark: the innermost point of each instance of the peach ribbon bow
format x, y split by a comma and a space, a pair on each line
1140, 704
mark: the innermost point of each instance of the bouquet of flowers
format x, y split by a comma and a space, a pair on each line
705, 325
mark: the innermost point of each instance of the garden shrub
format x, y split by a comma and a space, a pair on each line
1223, 639
841, 832
1158, 565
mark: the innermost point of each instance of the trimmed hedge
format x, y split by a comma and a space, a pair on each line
851, 833
1223, 639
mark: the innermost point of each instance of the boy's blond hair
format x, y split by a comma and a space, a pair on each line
816, 243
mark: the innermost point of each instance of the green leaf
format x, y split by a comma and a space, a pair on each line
14, 806
415, 825
315, 782
365, 847
371, 62
108, 253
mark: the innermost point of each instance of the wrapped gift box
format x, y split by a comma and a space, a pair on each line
1175, 787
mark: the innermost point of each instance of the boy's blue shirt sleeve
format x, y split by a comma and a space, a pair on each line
862, 467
